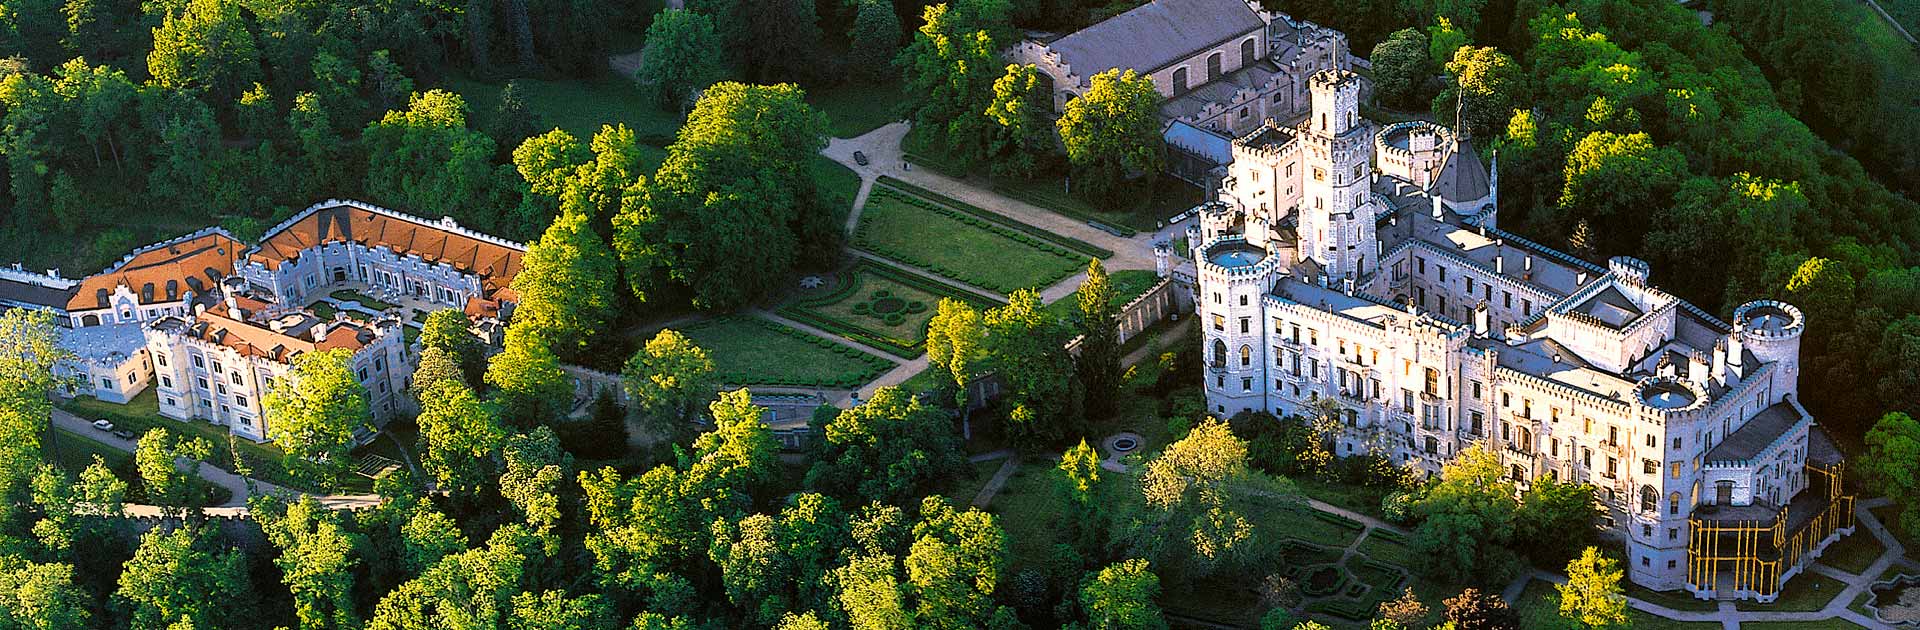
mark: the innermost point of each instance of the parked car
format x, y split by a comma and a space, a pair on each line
859, 158
103, 425
123, 434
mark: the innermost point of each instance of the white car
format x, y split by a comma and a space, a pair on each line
103, 425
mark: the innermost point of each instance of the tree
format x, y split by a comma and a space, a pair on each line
1121, 597
205, 48
1445, 41
459, 435
669, 379
1025, 345
735, 207
566, 286
528, 383
470, 589
679, 59
155, 457
1611, 179
316, 557
955, 344
873, 41
772, 565
954, 565
1486, 85
1081, 464
450, 331
1405, 612
314, 414
1113, 130
534, 469
1400, 65
178, 577
1592, 596
553, 610
739, 454
888, 449
73, 513
1475, 610
1824, 290
1023, 137
1099, 362
871, 594
41, 596
1469, 519
426, 159
1892, 465
772, 41
1193, 490
1554, 520
29, 350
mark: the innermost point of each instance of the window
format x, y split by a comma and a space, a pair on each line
235, 377
1243, 300
1319, 174
1246, 52
1220, 323
1613, 435
1179, 80
1674, 468
160, 359
1673, 503
166, 382
216, 367
1648, 498
1650, 467
1246, 384
1586, 457
1213, 66
1245, 325
1478, 420
202, 381
1433, 382
199, 362
1676, 444
106, 383
1246, 356
1613, 467
1219, 353
240, 401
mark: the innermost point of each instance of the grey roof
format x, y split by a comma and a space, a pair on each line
1222, 90
28, 294
1611, 306
1759, 432
1463, 178
1214, 147
104, 345
1155, 34
1821, 451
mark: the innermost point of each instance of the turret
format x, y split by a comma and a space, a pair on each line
1336, 101
1770, 330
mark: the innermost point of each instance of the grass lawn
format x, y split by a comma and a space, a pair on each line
1806, 592
752, 351
1676, 599
580, 106
1142, 211
1906, 11
836, 181
1381, 547
1539, 607
73, 453
364, 299
855, 109
1030, 507
143, 413
880, 306
1127, 285
961, 490
1854, 554
952, 244
1835, 623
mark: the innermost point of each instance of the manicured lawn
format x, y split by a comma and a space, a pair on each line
1677, 599
580, 106
836, 181
961, 490
1835, 623
952, 244
1854, 554
364, 299
1806, 592
855, 109
748, 350
880, 306
1030, 506
1383, 547
1127, 285
1539, 607
1142, 207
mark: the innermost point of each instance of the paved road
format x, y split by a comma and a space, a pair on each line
222, 478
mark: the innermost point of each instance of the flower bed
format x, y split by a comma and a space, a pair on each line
895, 322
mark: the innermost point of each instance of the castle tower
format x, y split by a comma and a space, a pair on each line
1337, 212
1770, 331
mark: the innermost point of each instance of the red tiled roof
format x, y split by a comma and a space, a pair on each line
206, 259
495, 263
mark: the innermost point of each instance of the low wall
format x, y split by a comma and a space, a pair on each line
1158, 304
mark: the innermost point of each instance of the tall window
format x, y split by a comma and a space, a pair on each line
1649, 498
1246, 356
1246, 52
1213, 66
1219, 353
1179, 80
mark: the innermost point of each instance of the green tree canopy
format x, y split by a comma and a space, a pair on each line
1469, 519
1892, 465
680, 58
1122, 597
179, 576
527, 381
426, 159
669, 379
1025, 345
314, 413
1401, 65
1111, 131
566, 286
1593, 596
1098, 364
887, 449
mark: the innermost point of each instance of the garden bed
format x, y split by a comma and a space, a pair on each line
880, 306
350, 295
753, 351
958, 245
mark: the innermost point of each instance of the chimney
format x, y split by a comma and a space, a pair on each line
233, 307
1697, 369
1734, 350
199, 309
1480, 317
1720, 360
1347, 285
1580, 278
1529, 262
1437, 212
320, 332
1499, 264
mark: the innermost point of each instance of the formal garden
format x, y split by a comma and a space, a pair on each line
960, 245
879, 306
749, 350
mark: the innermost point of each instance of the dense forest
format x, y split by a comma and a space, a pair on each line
1621, 126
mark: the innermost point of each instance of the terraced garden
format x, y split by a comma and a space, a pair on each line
959, 245
749, 350
879, 306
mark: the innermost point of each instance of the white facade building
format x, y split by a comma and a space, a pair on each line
1322, 275
109, 362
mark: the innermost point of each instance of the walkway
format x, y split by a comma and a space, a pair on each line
236, 484
1000, 477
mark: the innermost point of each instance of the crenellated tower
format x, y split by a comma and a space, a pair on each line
1337, 212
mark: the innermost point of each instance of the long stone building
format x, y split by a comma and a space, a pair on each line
1359, 271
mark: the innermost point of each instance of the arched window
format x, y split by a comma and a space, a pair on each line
1219, 353
1673, 503
1213, 66
1432, 444
1526, 440
1649, 498
1246, 52
1179, 80
1246, 356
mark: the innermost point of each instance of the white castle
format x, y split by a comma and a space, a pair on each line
1358, 270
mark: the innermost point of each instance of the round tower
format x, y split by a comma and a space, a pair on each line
1233, 279
1770, 330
